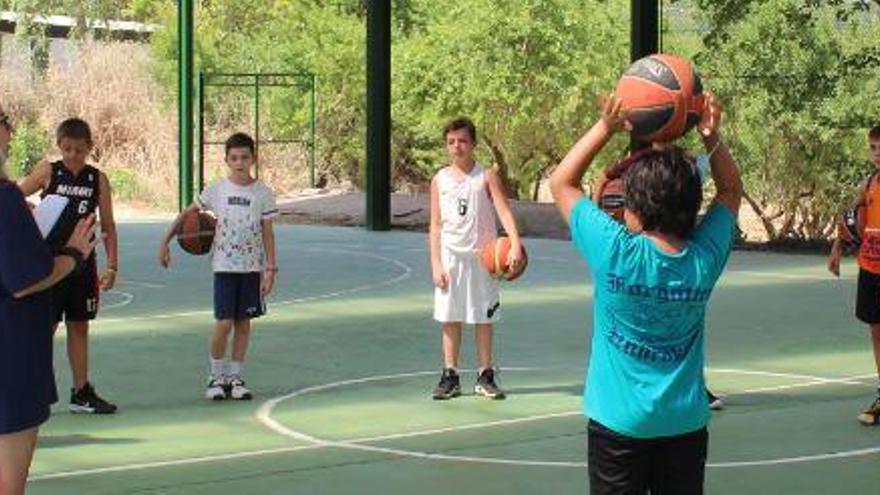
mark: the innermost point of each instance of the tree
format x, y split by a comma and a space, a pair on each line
798, 80
529, 73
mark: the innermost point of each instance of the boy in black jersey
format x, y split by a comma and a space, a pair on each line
77, 298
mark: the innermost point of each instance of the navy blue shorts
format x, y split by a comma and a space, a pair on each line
78, 296
237, 296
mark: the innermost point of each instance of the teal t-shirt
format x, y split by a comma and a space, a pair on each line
645, 377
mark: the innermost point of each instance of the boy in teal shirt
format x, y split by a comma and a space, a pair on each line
645, 393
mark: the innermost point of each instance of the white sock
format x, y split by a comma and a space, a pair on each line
234, 368
217, 366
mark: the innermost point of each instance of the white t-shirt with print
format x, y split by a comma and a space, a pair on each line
240, 210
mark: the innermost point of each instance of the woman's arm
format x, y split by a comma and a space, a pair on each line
82, 241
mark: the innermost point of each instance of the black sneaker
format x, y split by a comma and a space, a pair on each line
86, 401
486, 385
871, 415
449, 386
715, 403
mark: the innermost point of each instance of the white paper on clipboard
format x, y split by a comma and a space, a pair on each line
48, 212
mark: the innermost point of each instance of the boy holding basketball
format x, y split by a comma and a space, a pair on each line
77, 299
645, 393
243, 261
868, 300
464, 200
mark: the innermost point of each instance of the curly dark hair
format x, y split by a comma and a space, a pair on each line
663, 188
874, 133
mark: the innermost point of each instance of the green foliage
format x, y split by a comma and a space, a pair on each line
123, 182
529, 73
798, 82
26, 149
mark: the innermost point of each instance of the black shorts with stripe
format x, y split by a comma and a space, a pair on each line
77, 297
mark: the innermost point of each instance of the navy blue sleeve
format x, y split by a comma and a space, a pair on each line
25, 258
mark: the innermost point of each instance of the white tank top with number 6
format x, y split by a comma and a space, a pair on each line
467, 215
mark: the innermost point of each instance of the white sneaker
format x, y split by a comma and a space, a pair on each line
237, 390
215, 389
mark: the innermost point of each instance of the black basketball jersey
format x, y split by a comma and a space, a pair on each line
81, 189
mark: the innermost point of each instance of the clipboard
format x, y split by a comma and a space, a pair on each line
49, 211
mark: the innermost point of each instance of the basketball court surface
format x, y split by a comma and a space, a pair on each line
343, 365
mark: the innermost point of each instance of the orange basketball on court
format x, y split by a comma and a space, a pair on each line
663, 97
494, 258
195, 232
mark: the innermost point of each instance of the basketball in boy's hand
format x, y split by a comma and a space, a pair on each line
662, 97
495, 255
851, 226
195, 232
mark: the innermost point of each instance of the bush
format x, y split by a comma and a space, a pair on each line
124, 183
26, 149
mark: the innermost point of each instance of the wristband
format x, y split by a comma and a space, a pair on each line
271, 269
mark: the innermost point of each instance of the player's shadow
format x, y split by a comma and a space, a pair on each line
61, 441
575, 390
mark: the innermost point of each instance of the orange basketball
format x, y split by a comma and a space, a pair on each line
494, 258
663, 97
195, 232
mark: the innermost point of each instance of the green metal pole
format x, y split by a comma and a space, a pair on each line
644, 38
257, 122
185, 102
379, 115
312, 130
200, 130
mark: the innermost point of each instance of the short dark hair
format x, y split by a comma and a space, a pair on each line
461, 123
874, 133
74, 128
240, 140
663, 188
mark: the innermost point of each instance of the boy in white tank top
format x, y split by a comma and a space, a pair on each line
465, 198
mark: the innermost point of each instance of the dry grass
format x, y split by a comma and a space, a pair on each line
134, 126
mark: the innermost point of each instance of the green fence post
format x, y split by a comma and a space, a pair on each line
644, 38
378, 115
185, 102
200, 131
312, 130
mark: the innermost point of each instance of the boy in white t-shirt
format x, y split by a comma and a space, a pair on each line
243, 262
464, 199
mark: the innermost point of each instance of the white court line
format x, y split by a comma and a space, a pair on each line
817, 379
407, 272
127, 298
147, 285
473, 426
264, 416
171, 463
